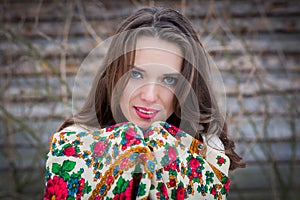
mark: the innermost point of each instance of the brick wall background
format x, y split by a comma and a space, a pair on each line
255, 45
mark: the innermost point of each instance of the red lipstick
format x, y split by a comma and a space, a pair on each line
145, 113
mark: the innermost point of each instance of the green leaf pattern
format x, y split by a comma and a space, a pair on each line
79, 174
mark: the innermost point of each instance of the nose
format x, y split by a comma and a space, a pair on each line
149, 93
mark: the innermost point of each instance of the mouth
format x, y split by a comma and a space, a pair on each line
145, 113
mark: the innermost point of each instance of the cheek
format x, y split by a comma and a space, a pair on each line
130, 89
124, 101
168, 97
128, 95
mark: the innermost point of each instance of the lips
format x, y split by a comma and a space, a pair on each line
145, 113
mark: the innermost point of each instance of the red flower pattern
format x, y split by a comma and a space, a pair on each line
194, 163
180, 193
175, 169
99, 148
172, 154
124, 163
220, 160
173, 130
109, 179
173, 166
164, 191
126, 195
80, 189
131, 139
56, 189
213, 191
172, 182
227, 185
69, 151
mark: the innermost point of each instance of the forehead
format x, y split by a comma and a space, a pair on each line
158, 52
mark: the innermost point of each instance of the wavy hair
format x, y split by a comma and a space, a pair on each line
194, 95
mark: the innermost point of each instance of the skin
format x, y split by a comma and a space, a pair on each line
149, 93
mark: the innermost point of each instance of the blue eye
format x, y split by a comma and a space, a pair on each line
135, 75
170, 80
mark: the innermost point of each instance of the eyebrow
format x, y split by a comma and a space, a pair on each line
168, 74
138, 69
173, 74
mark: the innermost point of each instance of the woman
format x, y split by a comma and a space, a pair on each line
164, 135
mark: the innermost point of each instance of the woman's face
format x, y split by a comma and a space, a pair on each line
149, 93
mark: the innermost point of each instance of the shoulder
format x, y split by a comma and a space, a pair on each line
214, 142
78, 128
215, 153
69, 133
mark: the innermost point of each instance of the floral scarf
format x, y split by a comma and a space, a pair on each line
124, 162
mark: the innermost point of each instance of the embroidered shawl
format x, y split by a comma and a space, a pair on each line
125, 162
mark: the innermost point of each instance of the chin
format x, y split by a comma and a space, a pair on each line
144, 125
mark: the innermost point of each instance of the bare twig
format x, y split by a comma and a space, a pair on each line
36, 22
66, 31
87, 25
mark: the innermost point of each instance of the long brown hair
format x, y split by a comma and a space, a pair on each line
194, 95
